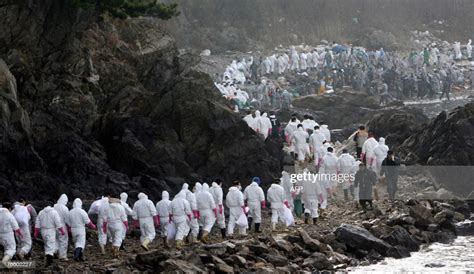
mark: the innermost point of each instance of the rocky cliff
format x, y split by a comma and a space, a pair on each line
93, 106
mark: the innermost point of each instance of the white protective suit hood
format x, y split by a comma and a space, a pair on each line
198, 187
165, 196
233, 188
123, 197
205, 187
264, 114
185, 186
142, 196
62, 200
181, 194
324, 126
77, 203
257, 114
382, 141
214, 184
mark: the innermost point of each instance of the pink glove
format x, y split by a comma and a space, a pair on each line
321, 199
189, 217
36, 233
215, 212
104, 227
286, 204
264, 205
362, 156
136, 224
221, 209
157, 220
243, 209
19, 234
196, 214
61, 230
371, 161
125, 223
92, 225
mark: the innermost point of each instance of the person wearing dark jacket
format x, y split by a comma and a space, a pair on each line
365, 179
390, 169
359, 138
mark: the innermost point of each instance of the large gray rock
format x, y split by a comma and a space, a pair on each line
359, 238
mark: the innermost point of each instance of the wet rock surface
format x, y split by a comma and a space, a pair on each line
91, 106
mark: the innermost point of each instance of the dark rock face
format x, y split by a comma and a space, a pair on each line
447, 142
396, 125
359, 238
91, 107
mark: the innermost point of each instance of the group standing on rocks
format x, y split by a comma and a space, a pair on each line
429, 72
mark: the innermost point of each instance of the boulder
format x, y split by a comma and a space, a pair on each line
310, 243
317, 261
172, 265
422, 215
359, 238
399, 236
275, 259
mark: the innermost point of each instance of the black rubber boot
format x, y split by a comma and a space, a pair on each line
315, 220
306, 218
122, 247
250, 219
257, 228
77, 253
200, 233
49, 260
223, 233
81, 257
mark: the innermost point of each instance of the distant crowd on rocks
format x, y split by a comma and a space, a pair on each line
193, 212
428, 72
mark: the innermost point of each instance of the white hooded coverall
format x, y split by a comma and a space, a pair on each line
311, 195
218, 195
77, 221
48, 221
368, 152
276, 197
23, 217
116, 217
128, 210
192, 203
63, 212
163, 210
180, 210
145, 212
345, 165
316, 143
102, 207
8, 225
207, 208
380, 153
299, 138
235, 202
254, 196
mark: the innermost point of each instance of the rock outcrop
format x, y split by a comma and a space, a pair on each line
92, 106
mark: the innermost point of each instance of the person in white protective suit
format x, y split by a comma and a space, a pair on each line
264, 125
8, 228
102, 207
380, 153
285, 182
316, 144
255, 198
48, 223
235, 202
368, 152
218, 195
77, 221
116, 221
311, 195
291, 128
325, 131
22, 216
146, 217
295, 60
196, 189
329, 171
207, 211
250, 120
194, 220
281, 64
299, 139
129, 211
303, 61
273, 63
345, 166
255, 124
163, 208
63, 212
267, 66
276, 197
469, 49
457, 50
180, 215
308, 123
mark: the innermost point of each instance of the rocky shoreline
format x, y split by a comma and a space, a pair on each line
347, 237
